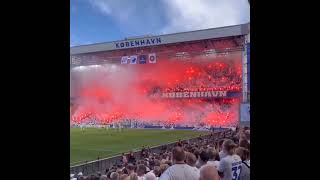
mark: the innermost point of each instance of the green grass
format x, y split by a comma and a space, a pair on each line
93, 143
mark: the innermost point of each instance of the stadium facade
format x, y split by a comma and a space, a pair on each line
201, 62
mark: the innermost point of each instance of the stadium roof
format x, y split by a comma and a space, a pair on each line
127, 43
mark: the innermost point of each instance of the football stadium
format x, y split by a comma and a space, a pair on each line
135, 101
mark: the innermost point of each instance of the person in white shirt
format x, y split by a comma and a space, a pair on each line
180, 170
150, 176
114, 176
191, 161
222, 154
230, 166
213, 157
82, 127
209, 172
141, 171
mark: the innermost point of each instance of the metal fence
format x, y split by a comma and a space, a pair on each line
102, 164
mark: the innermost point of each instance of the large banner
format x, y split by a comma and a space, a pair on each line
245, 112
199, 94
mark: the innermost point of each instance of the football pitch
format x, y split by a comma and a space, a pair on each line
94, 143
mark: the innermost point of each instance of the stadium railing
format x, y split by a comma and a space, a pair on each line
100, 165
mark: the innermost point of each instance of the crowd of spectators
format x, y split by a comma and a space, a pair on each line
219, 156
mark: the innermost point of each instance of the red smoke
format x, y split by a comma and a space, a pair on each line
116, 92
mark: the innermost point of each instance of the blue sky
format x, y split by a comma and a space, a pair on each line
94, 21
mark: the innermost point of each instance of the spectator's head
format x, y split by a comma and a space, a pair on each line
242, 135
243, 153
104, 177
82, 178
209, 172
141, 169
191, 159
156, 162
130, 168
204, 157
150, 176
157, 156
140, 162
157, 171
168, 162
125, 171
178, 155
123, 177
197, 153
213, 154
244, 143
163, 167
109, 173
228, 146
146, 162
94, 177
220, 144
248, 135
133, 176
119, 171
114, 176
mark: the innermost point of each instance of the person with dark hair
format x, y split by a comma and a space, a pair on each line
204, 157
179, 143
197, 154
156, 162
244, 143
131, 158
245, 166
230, 166
143, 152
94, 177
130, 168
141, 171
222, 154
83, 178
180, 170
125, 171
109, 173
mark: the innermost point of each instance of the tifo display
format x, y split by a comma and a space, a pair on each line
190, 89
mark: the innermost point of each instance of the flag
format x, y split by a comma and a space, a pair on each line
152, 58
142, 59
124, 60
133, 59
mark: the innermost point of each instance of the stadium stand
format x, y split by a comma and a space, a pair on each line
203, 159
